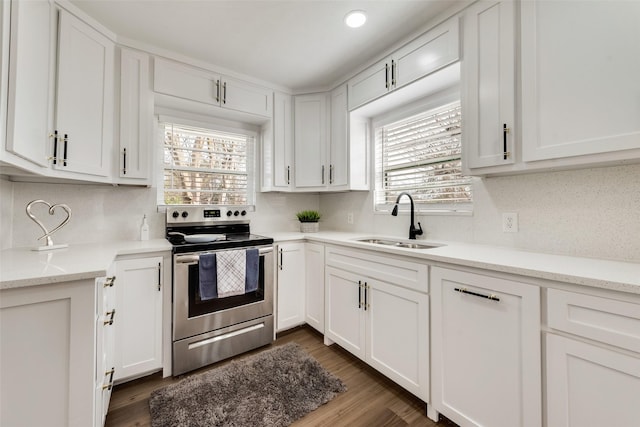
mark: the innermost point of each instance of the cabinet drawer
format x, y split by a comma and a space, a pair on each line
609, 321
411, 275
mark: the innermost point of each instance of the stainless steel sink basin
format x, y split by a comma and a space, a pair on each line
397, 243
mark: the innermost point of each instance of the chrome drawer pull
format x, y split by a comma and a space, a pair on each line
491, 297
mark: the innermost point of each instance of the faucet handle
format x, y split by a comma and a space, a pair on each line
419, 232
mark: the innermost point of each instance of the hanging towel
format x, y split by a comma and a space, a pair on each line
232, 272
208, 273
253, 270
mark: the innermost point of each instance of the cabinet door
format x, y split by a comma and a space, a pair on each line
426, 54
182, 81
136, 115
344, 317
291, 286
31, 69
84, 104
398, 335
488, 73
580, 85
247, 98
310, 136
139, 316
282, 141
314, 272
370, 84
339, 142
485, 350
590, 386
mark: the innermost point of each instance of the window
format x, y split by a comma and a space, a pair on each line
206, 166
421, 155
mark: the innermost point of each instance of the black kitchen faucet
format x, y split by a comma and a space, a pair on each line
413, 232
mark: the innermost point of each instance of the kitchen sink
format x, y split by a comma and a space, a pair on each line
397, 243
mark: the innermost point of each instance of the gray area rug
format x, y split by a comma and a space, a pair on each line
271, 388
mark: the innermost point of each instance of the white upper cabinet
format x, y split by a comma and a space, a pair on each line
84, 98
183, 81
580, 80
310, 136
424, 55
488, 81
277, 146
31, 59
339, 139
136, 117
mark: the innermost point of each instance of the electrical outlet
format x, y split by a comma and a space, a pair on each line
350, 218
510, 222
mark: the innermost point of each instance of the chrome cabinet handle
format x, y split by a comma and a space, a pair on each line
288, 174
393, 73
330, 174
217, 90
280, 259
55, 147
124, 161
64, 153
110, 282
366, 297
359, 294
491, 297
224, 93
159, 276
322, 174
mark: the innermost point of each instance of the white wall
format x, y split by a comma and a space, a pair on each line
591, 212
106, 213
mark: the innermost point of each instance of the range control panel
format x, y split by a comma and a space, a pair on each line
203, 214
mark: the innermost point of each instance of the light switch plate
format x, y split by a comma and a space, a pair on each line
510, 222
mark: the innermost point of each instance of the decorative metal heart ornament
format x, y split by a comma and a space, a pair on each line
47, 234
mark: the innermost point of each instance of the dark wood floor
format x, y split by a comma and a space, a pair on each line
370, 400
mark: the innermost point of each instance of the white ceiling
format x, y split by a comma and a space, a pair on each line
296, 44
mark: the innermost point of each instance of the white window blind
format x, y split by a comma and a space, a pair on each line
422, 156
206, 167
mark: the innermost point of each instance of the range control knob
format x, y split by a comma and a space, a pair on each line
236, 213
243, 213
175, 214
185, 214
229, 213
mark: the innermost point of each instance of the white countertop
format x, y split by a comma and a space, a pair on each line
20, 267
606, 274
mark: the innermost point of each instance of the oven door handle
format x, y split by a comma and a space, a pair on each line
193, 259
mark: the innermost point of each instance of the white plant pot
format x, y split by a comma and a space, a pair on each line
309, 227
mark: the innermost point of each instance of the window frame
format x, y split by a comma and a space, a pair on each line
213, 125
432, 102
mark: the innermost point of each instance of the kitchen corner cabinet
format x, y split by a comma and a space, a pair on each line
486, 355
84, 99
277, 146
593, 379
195, 84
138, 334
488, 84
136, 118
56, 367
433, 50
314, 279
291, 285
580, 85
378, 309
31, 62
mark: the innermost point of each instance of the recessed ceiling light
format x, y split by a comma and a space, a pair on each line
355, 18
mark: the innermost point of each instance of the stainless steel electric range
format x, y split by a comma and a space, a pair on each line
208, 330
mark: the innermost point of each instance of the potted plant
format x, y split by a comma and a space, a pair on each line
308, 221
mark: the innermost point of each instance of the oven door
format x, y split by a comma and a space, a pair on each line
192, 316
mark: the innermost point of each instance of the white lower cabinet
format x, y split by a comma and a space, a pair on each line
291, 286
486, 356
56, 359
138, 334
314, 295
385, 323
593, 380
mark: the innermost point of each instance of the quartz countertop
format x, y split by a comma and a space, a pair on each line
598, 273
20, 267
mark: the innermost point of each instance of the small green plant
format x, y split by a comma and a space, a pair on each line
308, 216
